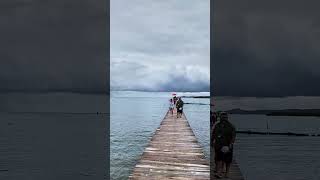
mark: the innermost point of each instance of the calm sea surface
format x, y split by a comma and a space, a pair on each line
267, 157
52, 136
68, 143
136, 115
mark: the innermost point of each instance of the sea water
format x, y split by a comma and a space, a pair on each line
53, 136
136, 115
275, 157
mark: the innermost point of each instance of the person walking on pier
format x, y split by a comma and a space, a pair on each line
224, 134
214, 119
179, 106
171, 106
175, 99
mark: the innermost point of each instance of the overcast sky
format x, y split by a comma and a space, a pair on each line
260, 48
266, 48
160, 45
53, 46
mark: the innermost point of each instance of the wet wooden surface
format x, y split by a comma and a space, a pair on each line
172, 153
234, 173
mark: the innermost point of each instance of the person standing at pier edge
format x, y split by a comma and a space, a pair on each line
224, 134
179, 106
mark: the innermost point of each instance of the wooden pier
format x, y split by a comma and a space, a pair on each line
234, 173
172, 153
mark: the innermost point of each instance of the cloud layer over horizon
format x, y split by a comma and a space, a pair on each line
160, 45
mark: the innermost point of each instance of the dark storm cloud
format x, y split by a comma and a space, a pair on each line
128, 75
266, 48
53, 46
183, 84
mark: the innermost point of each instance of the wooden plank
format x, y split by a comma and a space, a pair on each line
172, 153
234, 172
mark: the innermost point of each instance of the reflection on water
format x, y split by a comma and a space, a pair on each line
134, 118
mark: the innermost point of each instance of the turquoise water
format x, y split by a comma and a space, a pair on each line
134, 116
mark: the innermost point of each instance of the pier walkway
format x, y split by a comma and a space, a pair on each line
234, 173
172, 153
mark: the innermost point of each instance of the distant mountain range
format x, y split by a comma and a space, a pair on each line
283, 112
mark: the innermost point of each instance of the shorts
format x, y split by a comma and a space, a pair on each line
180, 111
220, 156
